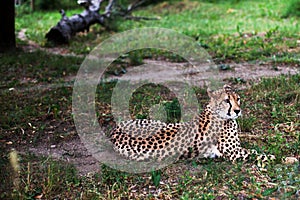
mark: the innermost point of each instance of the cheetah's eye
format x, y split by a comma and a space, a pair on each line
227, 100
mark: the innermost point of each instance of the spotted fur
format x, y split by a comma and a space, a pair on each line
213, 133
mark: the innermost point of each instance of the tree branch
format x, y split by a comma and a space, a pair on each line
69, 26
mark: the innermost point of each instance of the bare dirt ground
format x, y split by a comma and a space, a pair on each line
73, 150
158, 71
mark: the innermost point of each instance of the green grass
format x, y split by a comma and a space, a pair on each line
280, 96
25, 68
197, 18
293, 9
206, 179
38, 176
236, 30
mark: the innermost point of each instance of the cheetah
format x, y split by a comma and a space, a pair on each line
210, 134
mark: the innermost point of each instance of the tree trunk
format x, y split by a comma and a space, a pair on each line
32, 5
7, 22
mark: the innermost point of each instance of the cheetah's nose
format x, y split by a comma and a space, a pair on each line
237, 111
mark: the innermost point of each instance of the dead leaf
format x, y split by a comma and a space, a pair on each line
290, 160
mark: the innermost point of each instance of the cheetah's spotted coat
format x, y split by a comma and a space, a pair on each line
213, 133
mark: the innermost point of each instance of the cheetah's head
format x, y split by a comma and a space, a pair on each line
225, 103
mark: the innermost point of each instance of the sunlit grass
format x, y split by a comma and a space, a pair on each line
231, 23
205, 18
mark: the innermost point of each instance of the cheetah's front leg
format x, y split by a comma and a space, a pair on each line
229, 145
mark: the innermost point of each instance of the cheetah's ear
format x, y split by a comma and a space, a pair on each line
227, 88
211, 93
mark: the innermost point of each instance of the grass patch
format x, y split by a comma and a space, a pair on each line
226, 27
40, 176
31, 68
279, 97
30, 117
274, 114
235, 30
206, 179
293, 9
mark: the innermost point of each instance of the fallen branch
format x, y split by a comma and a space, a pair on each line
69, 26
